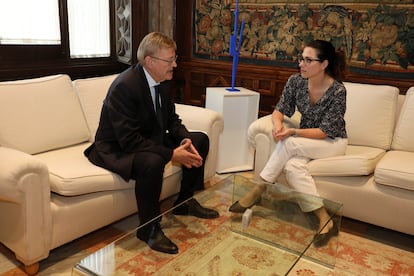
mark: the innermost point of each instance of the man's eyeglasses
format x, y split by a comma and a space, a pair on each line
169, 61
306, 59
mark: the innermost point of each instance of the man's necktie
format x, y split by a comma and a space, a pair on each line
158, 106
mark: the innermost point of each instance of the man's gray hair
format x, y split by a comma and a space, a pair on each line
152, 43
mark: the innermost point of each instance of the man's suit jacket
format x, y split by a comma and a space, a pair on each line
128, 124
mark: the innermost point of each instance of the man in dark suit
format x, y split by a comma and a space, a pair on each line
139, 133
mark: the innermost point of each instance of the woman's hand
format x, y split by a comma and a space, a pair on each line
282, 133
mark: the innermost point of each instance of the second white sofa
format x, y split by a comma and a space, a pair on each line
50, 193
375, 178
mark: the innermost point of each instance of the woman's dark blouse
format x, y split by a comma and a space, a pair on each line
326, 114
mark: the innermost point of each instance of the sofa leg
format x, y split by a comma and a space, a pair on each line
31, 269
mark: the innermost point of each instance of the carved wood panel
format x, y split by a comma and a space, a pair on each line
123, 27
197, 75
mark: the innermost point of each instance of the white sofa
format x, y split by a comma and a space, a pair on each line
375, 178
50, 193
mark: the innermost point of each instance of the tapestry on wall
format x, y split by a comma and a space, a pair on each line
378, 39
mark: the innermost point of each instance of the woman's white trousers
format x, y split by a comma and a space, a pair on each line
292, 155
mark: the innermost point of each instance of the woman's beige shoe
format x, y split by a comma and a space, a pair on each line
249, 199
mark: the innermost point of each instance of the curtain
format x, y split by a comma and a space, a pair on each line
89, 33
29, 22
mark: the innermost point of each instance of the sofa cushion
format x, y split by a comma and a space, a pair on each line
91, 93
404, 130
357, 161
41, 114
72, 174
371, 114
396, 169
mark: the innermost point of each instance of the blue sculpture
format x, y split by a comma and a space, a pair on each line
235, 49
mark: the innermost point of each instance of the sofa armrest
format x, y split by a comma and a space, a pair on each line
259, 135
25, 213
208, 121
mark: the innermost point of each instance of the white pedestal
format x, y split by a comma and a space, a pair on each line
239, 110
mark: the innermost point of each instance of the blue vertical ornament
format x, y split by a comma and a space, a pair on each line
234, 48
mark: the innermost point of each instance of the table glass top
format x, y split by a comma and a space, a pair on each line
275, 238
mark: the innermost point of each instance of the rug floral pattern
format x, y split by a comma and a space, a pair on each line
373, 36
208, 247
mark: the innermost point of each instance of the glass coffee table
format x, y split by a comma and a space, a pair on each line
269, 238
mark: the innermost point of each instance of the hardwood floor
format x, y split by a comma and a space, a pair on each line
379, 234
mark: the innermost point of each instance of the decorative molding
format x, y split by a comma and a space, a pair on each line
123, 26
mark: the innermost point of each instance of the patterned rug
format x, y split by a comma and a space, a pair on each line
221, 252
208, 247
226, 254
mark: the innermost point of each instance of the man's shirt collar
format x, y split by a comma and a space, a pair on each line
151, 81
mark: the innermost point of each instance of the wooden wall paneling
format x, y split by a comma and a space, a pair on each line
402, 84
184, 28
199, 74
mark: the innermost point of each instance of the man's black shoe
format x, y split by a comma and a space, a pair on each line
156, 239
193, 208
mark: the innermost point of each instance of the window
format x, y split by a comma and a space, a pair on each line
88, 28
28, 22
78, 22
